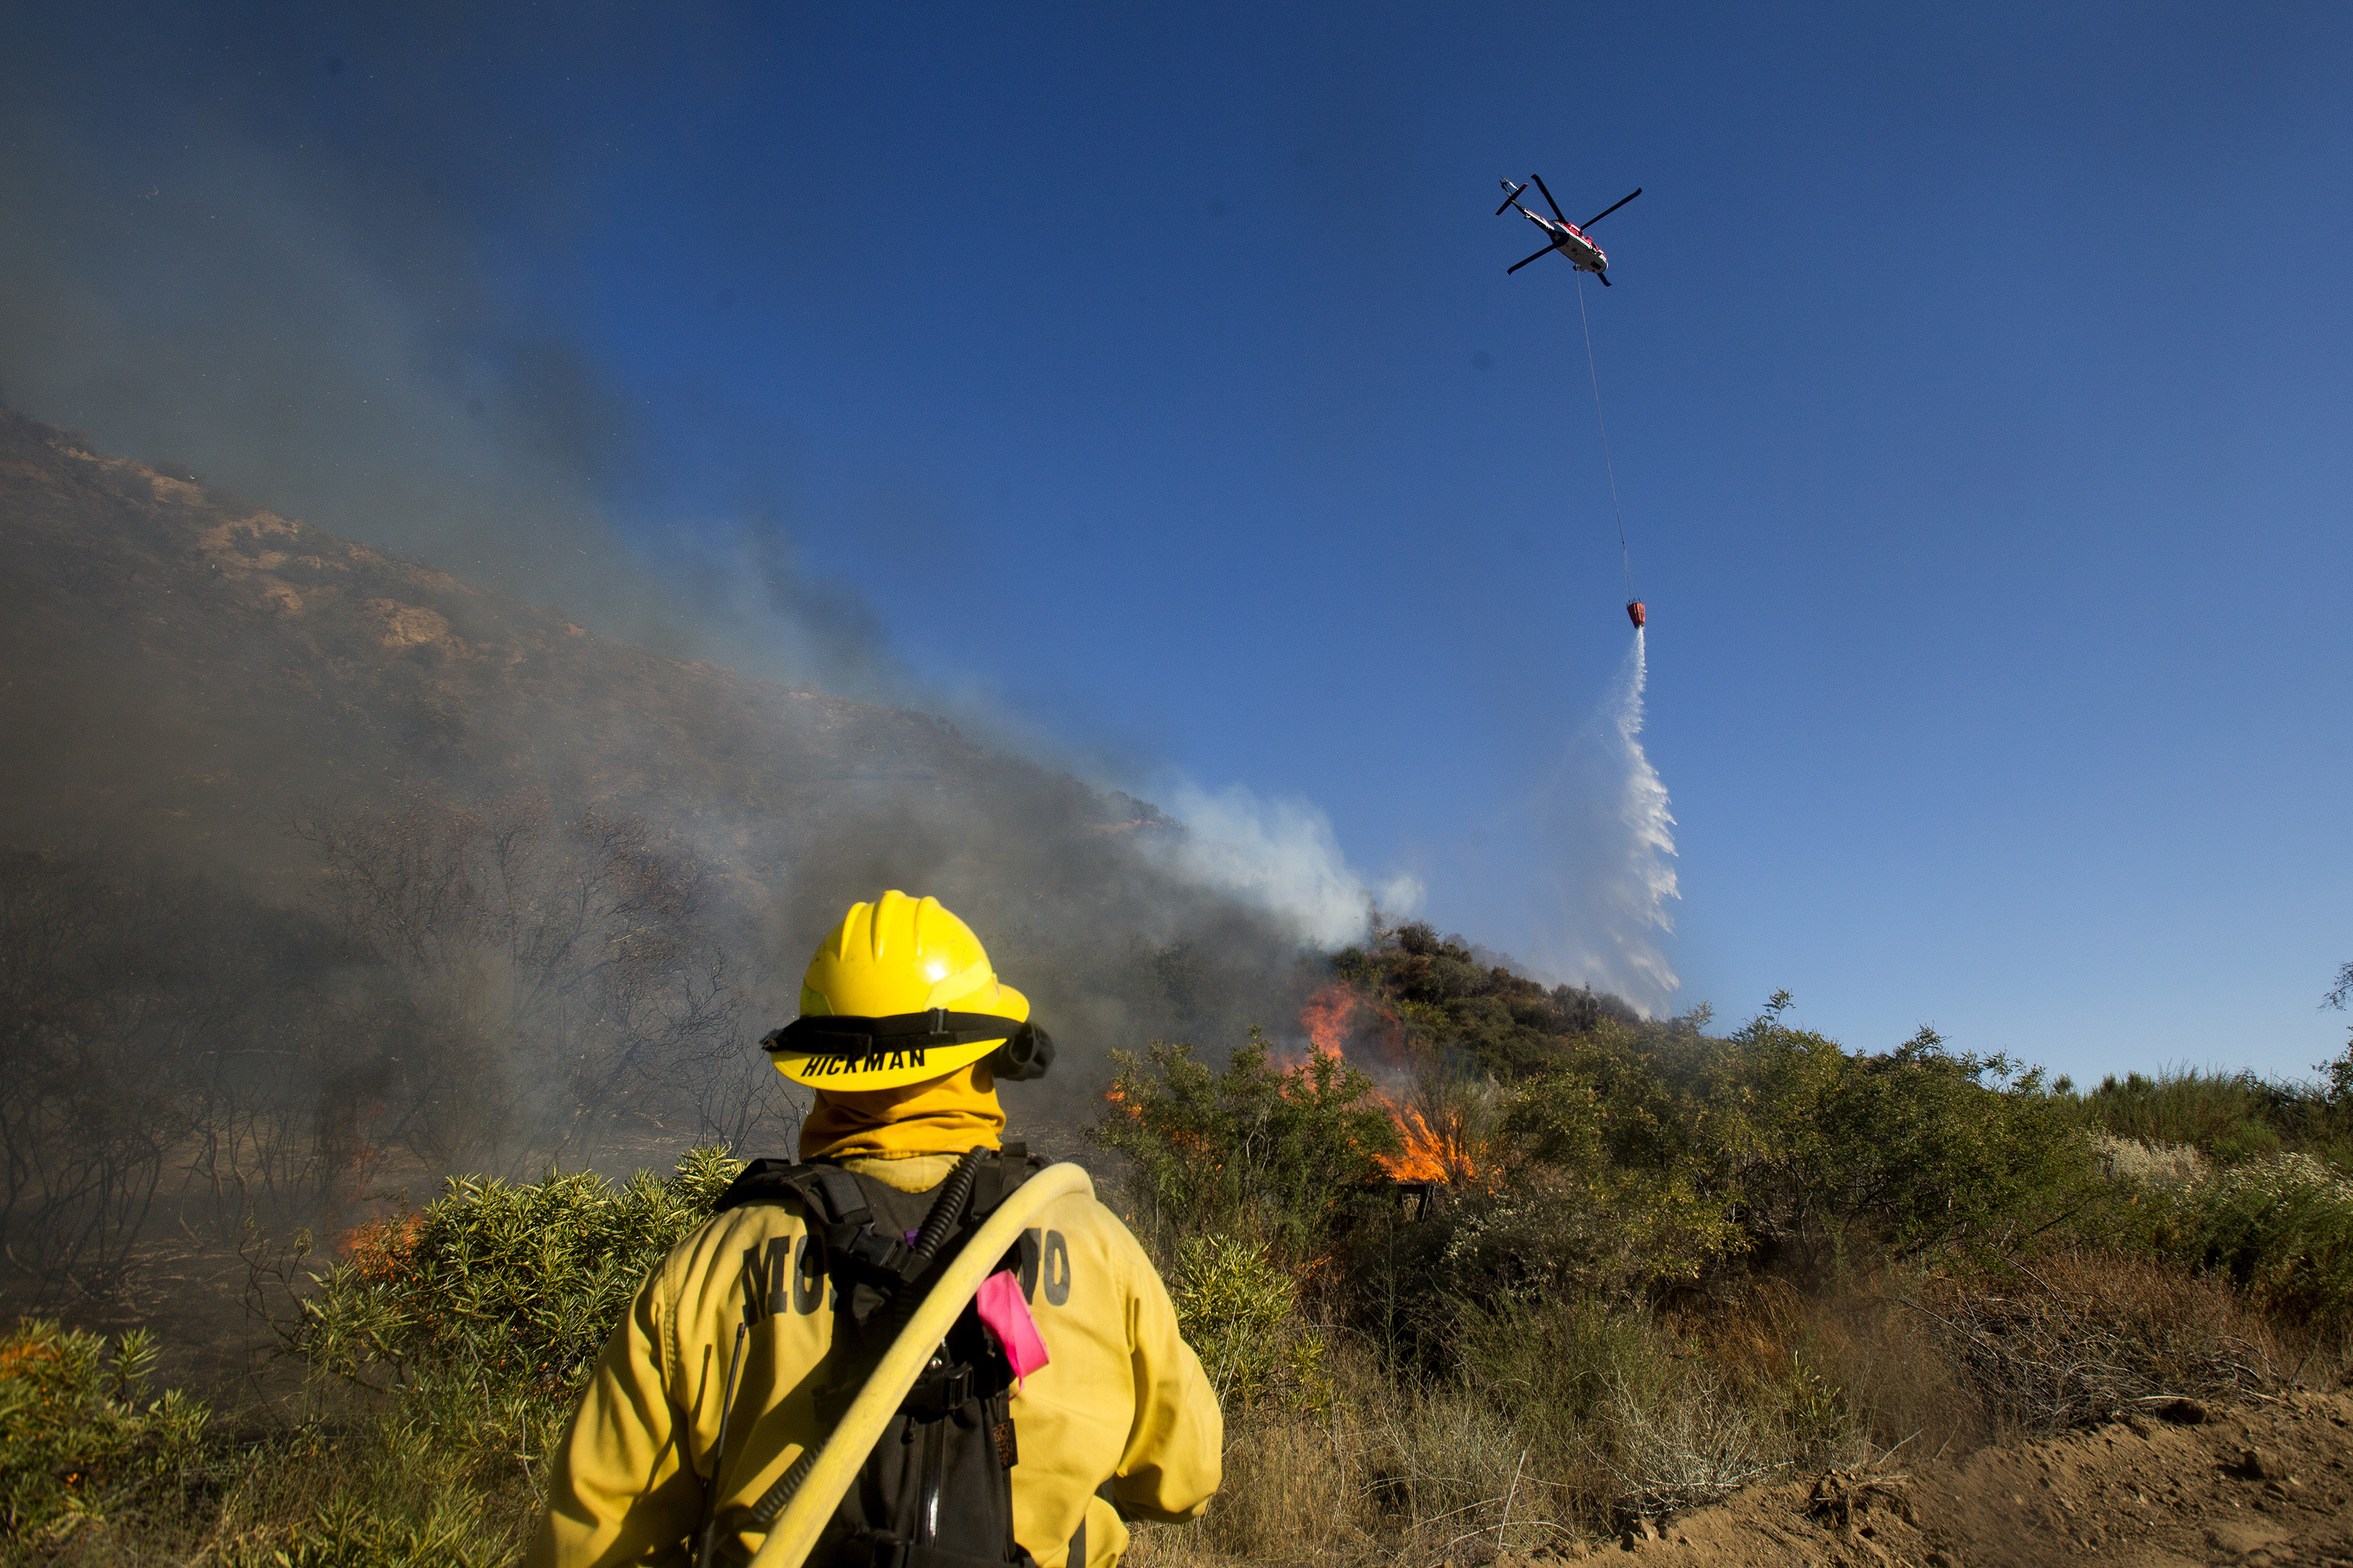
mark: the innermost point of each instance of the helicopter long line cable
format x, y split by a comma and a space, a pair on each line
1625, 557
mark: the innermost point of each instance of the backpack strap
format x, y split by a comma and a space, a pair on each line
838, 1210
998, 1179
843, 1219
758, 1183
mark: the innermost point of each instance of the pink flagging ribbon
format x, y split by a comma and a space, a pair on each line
1005, 1312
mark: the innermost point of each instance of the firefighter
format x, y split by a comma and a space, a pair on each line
1119, 1422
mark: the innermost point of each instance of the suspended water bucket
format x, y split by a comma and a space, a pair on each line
1636, 613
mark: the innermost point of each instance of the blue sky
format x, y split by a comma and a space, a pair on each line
1977, 379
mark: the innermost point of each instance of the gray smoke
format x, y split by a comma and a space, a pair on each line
260, 250
214, 283
239, 248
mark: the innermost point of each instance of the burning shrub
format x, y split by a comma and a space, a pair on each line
79, 1444
1543, 1234
1639, 1163
503, 1286
1257, 1150
1591, 1185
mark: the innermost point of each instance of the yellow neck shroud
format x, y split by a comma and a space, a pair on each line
940, 1116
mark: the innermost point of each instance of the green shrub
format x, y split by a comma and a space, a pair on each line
2336, 1075
1594, 1182
1259, 1150
1452, 1005
1542, 1234
1241, 1314
464, 1333
499, 1290
81, 1444
1616, 1096
2230, 1118
1834, 1156
1637, 1163
2282, 1229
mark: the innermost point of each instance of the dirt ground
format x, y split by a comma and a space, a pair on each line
2260, 1482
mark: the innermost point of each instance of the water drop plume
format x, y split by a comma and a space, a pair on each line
1611, 848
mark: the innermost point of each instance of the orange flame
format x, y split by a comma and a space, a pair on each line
1429, 1153
1178, 1137
1327, 1018
381, 1248
1440, 1152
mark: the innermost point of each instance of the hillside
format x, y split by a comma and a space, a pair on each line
187, 673
192, 664
324, 871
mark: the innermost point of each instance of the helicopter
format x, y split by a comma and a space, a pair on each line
1564, 236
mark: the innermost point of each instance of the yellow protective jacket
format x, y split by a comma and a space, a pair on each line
1122, 1398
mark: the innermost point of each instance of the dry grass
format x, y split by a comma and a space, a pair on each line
1579, 1421
1692, 1447
2169, 1165
1390, 1474
1399, 1472
2079, 1339
1852, 1370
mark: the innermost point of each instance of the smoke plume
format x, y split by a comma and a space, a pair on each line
277, 270
265, 263
1281, 857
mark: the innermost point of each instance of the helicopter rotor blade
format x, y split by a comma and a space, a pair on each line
1613, 207
1548, 196
1538, 257
1514, 196
1605, 279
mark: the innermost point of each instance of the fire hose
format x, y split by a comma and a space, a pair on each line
844, 1453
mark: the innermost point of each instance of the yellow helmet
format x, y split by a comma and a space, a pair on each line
900, 992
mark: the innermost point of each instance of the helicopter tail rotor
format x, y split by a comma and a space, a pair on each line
1511, 194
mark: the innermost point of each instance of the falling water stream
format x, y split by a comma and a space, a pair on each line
1613, 848
1649, 845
